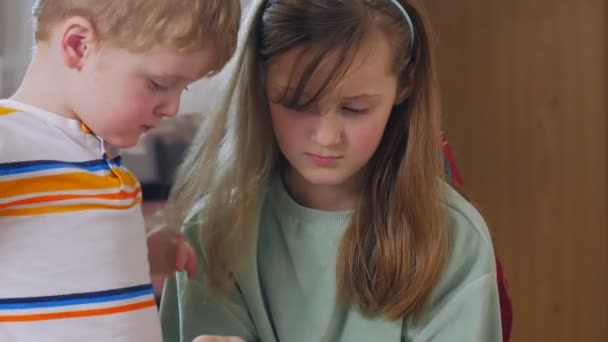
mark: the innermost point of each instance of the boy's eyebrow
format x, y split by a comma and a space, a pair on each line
173, 77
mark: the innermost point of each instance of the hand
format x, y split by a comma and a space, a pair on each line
207, 338
169, 252
185, 258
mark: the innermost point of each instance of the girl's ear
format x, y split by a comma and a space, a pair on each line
405, 89
403, 93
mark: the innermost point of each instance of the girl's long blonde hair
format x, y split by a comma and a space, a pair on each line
395, 246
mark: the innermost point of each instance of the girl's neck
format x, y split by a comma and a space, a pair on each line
340, 197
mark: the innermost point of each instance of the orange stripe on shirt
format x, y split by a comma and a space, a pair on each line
6, 111
122, 195
126, 176
58, 209
66, 182
76, 314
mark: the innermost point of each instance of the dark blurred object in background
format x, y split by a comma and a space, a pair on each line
158, 154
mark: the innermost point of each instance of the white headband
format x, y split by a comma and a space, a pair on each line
407, 18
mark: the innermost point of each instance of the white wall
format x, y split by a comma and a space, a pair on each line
16, 31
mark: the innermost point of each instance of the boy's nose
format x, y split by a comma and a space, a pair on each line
170, 107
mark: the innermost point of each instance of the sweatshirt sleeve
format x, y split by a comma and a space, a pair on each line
189, 309
464, 306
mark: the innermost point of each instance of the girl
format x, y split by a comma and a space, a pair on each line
318, 206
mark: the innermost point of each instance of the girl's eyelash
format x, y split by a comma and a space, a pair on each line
311, 109
354, 110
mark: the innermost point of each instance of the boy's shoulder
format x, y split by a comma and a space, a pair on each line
15, 120
28, 134
9, 116
13, 123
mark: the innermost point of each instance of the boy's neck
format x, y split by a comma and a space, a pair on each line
43, 85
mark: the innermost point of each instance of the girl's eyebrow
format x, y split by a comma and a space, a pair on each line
279, 87
362, 97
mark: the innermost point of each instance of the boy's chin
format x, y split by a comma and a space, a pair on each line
123, 142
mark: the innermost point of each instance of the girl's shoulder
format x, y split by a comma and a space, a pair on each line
471, 253
464, 221
466, 294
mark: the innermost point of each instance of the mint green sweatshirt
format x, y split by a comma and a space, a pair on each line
287, 292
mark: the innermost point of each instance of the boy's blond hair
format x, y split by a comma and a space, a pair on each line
139, 25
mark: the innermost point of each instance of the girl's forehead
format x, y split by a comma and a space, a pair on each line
371, 62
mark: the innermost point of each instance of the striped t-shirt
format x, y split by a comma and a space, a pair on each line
73, 255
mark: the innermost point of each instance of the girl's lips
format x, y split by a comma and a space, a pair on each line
323, 161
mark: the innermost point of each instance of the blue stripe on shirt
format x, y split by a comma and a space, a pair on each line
16, 168
76, 299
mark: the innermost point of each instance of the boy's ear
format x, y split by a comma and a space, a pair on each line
77, 39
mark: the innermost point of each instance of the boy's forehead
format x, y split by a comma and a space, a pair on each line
170, 63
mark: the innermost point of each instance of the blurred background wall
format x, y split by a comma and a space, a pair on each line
15, 42
525, 88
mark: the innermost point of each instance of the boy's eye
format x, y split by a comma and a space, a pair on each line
157, 86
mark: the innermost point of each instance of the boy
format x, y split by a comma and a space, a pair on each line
73, 248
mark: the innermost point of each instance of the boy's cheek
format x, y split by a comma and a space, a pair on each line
139, 106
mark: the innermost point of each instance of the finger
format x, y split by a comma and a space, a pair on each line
191, 264
218, 339
181, 256
178, 238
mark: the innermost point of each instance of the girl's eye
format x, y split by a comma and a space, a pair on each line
354, 110
157, 86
